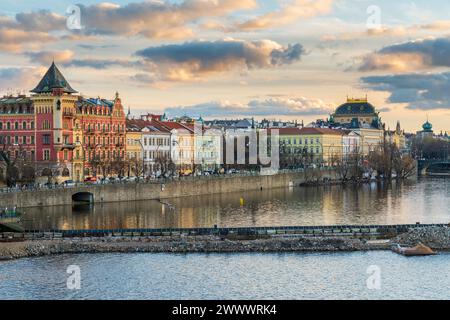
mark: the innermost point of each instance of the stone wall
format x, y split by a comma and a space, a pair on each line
148, 191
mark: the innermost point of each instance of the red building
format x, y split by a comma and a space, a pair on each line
58, 132
100, 134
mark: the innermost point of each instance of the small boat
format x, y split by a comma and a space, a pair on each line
419, 250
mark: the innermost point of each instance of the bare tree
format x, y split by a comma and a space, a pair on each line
165, 164
118, 166
17, 166
404, 166
387, 159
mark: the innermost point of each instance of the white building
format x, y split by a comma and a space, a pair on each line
351, 142
156, 144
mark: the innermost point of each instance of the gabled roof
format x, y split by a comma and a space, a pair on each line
145, 125
53, 79
170, 125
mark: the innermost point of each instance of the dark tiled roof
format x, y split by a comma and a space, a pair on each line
53, 79
15, 100
355, 108
94, 102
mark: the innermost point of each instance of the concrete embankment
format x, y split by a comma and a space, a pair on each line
188, 186
435, 237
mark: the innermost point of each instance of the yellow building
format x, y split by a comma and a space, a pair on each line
370, 139
397, 137
319, 145
359, 116
134, 152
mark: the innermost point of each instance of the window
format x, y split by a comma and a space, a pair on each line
46, 139
32, 125
46, 124
24, 125
1, 125
16, 125
46, 154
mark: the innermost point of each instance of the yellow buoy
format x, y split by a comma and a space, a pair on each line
242, 201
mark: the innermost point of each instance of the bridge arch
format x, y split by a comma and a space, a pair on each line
83, 197
438, 168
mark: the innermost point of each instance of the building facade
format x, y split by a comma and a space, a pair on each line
63, 135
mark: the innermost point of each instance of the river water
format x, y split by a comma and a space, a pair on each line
426, 200
228, 276
243, 276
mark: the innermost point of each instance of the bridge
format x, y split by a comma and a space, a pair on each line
438, 167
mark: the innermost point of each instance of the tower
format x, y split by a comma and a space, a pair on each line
54, 104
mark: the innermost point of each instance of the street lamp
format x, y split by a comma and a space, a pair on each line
176, 142
84, 157
143, 161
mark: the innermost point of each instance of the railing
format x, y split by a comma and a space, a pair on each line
140, 180
332, 230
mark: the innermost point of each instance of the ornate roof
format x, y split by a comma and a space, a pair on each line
355, 107
427, 126
53, 79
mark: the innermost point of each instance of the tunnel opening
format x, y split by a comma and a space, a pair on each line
83, 197
439, 169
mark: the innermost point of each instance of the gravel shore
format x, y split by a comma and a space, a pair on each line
14, 250
436, 238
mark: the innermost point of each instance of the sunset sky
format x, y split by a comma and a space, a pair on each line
287, 59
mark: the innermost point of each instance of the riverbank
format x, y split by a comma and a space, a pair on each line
156, 190
436, 238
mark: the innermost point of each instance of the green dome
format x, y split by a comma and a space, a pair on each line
427, 126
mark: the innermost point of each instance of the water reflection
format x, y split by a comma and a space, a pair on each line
425, 200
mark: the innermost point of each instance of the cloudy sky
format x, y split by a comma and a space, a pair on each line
279, 59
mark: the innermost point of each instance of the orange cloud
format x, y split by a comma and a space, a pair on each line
15, 40
288, 14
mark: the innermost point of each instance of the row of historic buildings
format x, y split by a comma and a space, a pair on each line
63, 134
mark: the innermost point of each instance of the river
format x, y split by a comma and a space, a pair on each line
425, 200
243, 275
228, 276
